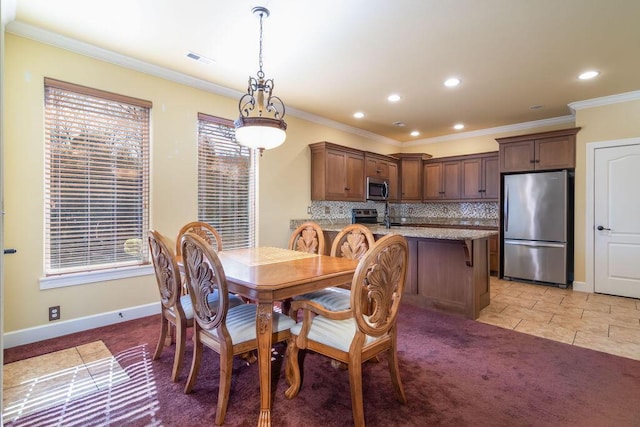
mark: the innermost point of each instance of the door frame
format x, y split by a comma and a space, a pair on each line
589, 241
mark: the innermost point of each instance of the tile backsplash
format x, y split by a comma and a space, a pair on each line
340, 211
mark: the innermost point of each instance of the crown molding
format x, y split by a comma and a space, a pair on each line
492, 131
605, 100
57, 40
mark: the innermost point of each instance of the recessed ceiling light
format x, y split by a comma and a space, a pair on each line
588, 75
358, 114
399, 124
415, 133
452, 82
393, 97
458, 126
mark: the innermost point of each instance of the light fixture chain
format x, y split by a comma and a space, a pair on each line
260, 72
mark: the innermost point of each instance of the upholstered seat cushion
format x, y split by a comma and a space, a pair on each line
241, 323
334, 299
185, 300
334, 333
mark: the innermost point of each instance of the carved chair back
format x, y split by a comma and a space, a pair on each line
308, 237
352, 242
202, 229
166, 270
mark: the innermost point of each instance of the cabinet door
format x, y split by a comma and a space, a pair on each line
393, 182
517, 156
411, 179
451, 180
471, 179
491, 177
432, 181
354, 187
555, 153
377, 168
335, 175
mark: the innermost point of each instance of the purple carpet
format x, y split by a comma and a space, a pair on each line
455, 372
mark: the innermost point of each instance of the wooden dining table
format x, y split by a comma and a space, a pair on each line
266, 275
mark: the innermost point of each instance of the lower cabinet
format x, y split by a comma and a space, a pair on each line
451, 276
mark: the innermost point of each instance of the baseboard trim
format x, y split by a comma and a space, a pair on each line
582, 287
65, 327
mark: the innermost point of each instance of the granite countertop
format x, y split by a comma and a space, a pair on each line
440, 232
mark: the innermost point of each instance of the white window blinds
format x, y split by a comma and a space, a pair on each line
96, 179
226, 183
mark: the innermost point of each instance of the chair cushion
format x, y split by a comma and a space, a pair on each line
334, 299
334, 333
241, 323
185, 301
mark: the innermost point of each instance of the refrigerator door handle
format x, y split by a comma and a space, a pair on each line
534, 244
506, 209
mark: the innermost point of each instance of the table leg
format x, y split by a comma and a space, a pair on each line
264, 329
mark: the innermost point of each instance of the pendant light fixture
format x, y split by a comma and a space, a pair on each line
261, 123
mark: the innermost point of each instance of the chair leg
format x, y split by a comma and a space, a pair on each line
226, 369
355, 384
181, 335
292, 369
164, 325
395, 374
195, 362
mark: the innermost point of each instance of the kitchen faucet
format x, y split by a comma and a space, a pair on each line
387, 220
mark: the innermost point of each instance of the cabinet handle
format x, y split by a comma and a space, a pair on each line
347, 188
532, 161
537, 160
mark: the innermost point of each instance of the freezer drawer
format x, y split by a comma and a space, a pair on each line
536, 260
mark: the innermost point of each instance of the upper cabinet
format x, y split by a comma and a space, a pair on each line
337, 172
441, 180
480, 177
473, 177
410, 165
538, 151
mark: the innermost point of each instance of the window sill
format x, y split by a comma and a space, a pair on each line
84, 278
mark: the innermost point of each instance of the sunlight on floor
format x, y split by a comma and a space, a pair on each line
79, 386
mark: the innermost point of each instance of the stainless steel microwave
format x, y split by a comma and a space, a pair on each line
377, 189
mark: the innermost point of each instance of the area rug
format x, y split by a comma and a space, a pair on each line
456, 372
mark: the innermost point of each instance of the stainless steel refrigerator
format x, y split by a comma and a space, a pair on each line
537, 227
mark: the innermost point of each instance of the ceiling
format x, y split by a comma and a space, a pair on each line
332, 58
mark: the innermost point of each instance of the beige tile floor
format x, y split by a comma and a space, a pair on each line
41, 382
604, 323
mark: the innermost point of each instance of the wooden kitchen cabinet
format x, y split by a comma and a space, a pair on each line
410, 165
337, 173
441, 180
394, 183
480, 176
538, 151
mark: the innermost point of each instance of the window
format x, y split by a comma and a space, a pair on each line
226, 183
96, 179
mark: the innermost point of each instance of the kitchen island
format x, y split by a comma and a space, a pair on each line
448, 267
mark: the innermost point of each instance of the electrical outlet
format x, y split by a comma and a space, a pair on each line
54, 313
309, 210
327, 210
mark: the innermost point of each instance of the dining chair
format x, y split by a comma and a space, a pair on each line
227, 330
352, 242
308, 237
202, 229
176, 309
367, 329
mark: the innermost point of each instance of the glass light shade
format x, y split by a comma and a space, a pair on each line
260, 132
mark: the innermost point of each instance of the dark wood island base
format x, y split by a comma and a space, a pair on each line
450, 276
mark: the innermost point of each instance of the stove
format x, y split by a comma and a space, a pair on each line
364, 216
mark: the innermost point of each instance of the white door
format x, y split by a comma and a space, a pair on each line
617, 220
